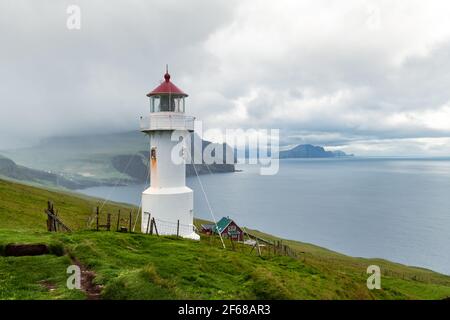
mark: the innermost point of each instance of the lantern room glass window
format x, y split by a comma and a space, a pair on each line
155, 102
178, 104
167, 103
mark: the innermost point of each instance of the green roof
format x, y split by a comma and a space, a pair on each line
222, 224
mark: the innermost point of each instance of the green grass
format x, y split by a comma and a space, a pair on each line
138, 266
40, 277
22, 207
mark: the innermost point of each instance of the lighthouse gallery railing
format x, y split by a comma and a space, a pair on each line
167, 121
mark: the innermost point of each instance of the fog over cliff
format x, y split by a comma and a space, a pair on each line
366, 77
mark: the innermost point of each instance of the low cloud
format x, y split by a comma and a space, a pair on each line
370, 77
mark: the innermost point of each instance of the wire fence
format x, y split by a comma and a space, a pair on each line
158, 226
249, 243
119, 220
252, 245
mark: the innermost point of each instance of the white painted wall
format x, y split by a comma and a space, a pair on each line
168, 200
167, 206
163, 171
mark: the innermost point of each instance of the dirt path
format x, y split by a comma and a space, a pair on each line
88, 286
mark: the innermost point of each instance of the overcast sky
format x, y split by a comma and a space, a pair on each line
369, 77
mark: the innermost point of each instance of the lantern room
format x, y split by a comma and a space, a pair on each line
167, 97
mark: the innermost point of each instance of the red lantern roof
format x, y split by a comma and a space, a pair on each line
166, 87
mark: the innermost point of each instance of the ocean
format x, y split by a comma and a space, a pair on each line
392, 208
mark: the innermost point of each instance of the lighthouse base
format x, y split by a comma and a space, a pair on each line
172, 209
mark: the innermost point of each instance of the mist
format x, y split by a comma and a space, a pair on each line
369, 77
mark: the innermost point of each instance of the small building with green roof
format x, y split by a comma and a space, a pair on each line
226, 227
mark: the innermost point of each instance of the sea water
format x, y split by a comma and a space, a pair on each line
397, 209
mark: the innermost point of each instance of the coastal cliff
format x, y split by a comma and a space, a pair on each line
310, 151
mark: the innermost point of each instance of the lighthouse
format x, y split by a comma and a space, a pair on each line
168, 200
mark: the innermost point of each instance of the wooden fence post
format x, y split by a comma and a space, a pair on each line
97, 218
49, 226
178, 228
55, 226
148, 222
232, 244
49, 218
118, 221
108, 222
54, 223
154, 224
129, 230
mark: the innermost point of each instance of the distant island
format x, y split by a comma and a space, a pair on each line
310, 151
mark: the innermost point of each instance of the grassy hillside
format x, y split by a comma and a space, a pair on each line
22, 207
138, 266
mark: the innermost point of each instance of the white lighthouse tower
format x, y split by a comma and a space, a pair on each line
168, 200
